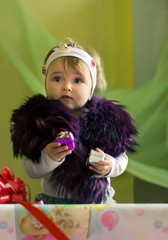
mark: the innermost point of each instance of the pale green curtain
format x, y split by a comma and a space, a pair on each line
24, 41
148, 105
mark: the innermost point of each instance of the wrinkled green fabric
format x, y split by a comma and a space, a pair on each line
23, 40
148, 104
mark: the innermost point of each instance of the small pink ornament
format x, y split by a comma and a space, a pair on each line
63, 47
43, 70
110, 219
93, 63
139, 212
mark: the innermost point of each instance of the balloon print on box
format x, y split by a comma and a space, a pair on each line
110, 219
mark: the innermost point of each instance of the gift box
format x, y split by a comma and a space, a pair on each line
95, 156
91, 222
66, 138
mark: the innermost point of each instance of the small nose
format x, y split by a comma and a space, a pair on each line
67, 86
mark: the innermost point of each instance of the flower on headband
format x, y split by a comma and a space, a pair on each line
63, 47
43, 70
93, 63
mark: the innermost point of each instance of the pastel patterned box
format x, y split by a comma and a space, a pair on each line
87, 222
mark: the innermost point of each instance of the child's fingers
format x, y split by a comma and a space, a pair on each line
54, 145
57, 152
100, 170
102, 167
57, 147
63, 154
60, 149
99, 150
57, 156
98, 176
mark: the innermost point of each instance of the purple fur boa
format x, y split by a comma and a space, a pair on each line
103, 123
36, 123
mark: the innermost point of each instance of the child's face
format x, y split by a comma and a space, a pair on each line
71, 86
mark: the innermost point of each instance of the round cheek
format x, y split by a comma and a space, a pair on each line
90, 95
85, 98
51, 93
90, 90
46, 85
51, 90
48, 91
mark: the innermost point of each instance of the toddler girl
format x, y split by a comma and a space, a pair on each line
103, 130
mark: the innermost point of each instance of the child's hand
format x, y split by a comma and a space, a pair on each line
102, 167
57, 152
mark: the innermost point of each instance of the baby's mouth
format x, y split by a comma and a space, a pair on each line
66, 97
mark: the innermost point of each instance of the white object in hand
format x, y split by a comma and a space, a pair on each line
96, 156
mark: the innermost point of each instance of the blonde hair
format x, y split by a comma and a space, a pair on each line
101, 81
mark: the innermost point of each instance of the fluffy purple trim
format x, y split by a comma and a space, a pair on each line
36, 123
104, 124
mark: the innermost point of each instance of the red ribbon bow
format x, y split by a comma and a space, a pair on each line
12, 190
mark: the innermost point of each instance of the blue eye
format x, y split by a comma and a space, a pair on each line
77, 80
57, 79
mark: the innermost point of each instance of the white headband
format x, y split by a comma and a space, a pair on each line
64, 51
